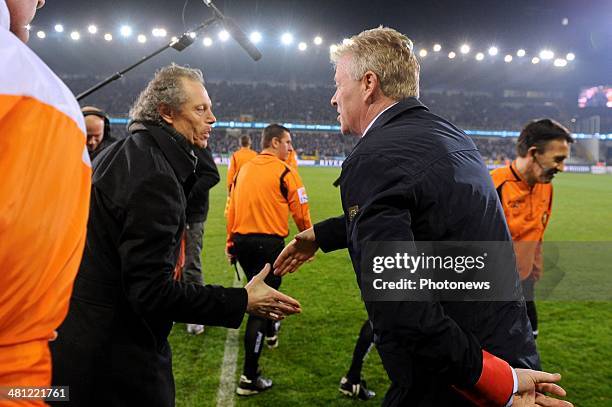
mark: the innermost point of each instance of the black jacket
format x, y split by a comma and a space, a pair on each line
206, 177
112, 349
416, 177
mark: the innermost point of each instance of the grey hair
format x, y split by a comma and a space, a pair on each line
164, 89
386, 52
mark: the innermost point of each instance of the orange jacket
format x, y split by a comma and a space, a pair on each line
237, 160
44, 203
264, 192
527, 211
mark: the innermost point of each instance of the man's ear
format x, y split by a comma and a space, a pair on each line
371, 85
166, 113
532, 151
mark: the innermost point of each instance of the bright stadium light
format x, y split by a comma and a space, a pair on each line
142, 38
451, 55
546, 54
192, 35
423, 53
570, 56
318, 40
28, 27
287, 38
346, 41
125, 30
535, 60
508, 58
75, 35
108, 37
207, 41
493, 51
255, 37
59, 28
437, 48
520, 53
174, 40
479, 56
159, 32
302, 46
41, 34
224, 35
92, 29
333, 48
560, 62
464, 49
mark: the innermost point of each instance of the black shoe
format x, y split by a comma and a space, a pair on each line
356, 390
248, 387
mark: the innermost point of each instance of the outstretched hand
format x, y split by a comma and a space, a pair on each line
301, 249
266, 302
532, 385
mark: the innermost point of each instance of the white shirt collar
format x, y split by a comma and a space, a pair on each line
377, 116
5, 17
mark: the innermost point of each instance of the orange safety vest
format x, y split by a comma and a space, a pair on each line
45, 183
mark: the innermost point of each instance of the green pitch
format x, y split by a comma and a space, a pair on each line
316, 347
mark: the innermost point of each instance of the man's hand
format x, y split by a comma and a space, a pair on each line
231, 257
266, 302
532, 385
301, 249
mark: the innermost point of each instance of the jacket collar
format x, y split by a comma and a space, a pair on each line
395, 110
173, 145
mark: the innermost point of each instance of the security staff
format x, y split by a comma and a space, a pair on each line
263, 193
525, 191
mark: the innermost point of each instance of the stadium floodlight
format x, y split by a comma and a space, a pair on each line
560, 62
493, 51
451, 55
570, 56
59, 28
318, 40
302, 46
125, 30
28, 27
464, 49
41, 34
423, 53
521, 53
287, 38
437, 48
546, 54
159, 32
108, 37
174, 39
75, 35
255, 37
479, 56
224, 35
333, 48
508, 58
142, 38
192, 35
207, 41
535, 60
92, 29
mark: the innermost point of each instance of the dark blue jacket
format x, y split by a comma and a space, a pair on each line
416, 177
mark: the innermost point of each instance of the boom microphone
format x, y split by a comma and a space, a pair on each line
235, 31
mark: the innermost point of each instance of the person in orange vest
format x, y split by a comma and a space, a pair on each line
525, 191
44, 201
263, 193
240, 156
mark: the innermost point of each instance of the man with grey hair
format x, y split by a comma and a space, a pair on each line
414, 176
113, 346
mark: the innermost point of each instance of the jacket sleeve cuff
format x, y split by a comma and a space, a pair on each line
496, 385
330, 234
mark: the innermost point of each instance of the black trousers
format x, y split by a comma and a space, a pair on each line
253, 252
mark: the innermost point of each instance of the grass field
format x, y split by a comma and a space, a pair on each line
316, 347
